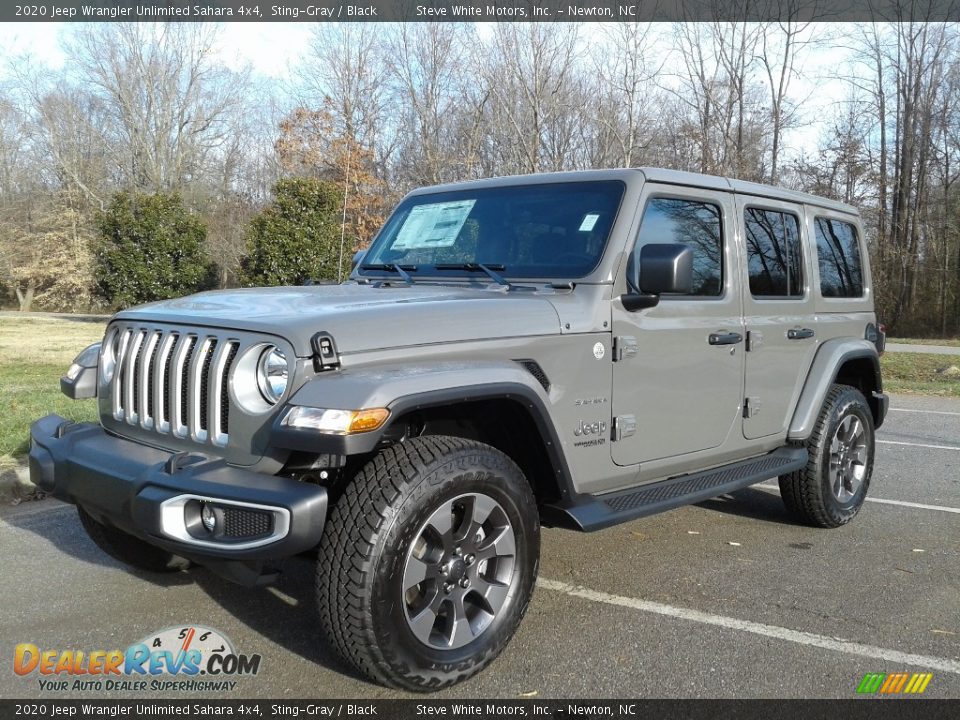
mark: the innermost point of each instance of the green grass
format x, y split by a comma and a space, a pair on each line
918, 373
29, 393
34, 353
949, 342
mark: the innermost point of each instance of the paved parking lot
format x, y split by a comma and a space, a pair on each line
724, 599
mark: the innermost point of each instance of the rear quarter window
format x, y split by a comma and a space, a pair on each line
838, 256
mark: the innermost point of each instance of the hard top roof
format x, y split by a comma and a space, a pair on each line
651, 174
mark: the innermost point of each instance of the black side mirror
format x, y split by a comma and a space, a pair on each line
357, 257
664, 268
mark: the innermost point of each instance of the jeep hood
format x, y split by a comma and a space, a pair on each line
362, 317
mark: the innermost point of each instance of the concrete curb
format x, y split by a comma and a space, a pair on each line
15, 485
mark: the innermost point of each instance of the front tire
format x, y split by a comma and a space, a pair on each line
130, 550
428, 562
830, 490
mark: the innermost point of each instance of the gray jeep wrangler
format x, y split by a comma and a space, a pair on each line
578, 349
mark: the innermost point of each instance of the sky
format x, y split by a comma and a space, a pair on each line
272, 50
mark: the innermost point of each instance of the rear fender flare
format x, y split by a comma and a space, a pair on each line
830, 357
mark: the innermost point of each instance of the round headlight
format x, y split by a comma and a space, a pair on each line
272, 374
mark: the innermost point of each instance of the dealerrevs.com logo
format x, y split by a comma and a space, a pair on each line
188, 658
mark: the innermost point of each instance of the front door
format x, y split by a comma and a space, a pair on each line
679, 366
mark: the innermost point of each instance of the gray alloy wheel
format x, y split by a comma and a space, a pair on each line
848, 458
457, 572
830, 490
428, 562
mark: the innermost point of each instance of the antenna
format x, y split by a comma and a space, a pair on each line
343, 219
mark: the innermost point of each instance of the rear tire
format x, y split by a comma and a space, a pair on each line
428, 562
130, 550
830, 490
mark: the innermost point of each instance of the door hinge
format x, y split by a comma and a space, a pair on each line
754, 339
751, 406
624, 346
624, 426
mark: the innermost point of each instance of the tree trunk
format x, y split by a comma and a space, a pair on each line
25, 297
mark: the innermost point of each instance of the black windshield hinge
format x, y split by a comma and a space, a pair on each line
325, 355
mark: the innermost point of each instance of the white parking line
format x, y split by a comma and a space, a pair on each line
926, 412
922, 506
919, 445
772, 631
884, 501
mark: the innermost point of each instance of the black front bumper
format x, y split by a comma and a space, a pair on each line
127, 485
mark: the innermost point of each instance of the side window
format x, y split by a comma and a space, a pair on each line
838, 253
695, 224
774, 259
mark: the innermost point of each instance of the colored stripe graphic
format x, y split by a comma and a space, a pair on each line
889, 683
894, 683
870, 683
900, 682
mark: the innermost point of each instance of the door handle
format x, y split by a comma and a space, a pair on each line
724, 338
799, 333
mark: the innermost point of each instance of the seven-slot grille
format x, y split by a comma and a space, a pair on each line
173, 382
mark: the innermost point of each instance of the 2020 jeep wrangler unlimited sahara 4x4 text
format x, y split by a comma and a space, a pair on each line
582, 348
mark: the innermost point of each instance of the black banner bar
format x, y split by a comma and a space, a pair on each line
860, 709
477, 10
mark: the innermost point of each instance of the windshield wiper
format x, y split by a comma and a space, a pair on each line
400, 270
490, 270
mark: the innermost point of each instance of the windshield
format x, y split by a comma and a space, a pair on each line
522, 231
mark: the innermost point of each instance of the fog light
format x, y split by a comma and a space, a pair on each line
208, 518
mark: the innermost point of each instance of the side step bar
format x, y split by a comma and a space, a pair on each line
595, 512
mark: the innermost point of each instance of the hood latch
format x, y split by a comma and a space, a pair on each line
325, 355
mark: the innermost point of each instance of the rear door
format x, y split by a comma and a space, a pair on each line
679, 367
778, 303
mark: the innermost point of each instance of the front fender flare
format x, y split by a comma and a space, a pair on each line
403, 388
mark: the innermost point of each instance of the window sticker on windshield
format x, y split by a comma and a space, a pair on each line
589, 221
433, 226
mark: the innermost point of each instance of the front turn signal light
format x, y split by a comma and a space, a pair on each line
336, 422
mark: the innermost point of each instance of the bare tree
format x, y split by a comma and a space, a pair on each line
912, 58
715, 83
11, 143
841, 168
624, 66
347, 63
427, 64
780, 46
167, 99
530, 70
